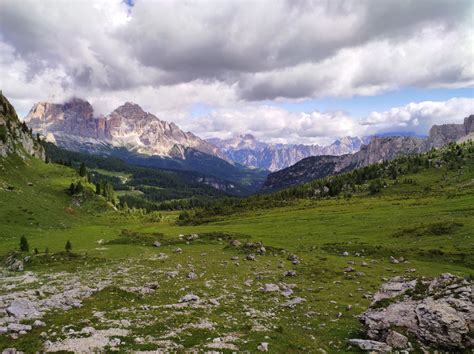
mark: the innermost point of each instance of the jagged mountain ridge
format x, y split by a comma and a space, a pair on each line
74, 126
248, 151
378, 150
15, 137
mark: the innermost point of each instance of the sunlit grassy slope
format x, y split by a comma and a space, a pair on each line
428, 222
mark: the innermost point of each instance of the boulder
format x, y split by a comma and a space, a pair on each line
437, 312
157, 243
22, 309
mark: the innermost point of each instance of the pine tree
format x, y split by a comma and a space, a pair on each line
82, 170
72, 188
24, 247
98, 189
79, 188
68, 246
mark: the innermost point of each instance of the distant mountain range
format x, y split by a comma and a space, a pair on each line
378, 150
250, 152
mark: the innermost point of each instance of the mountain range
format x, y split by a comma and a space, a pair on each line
73, 125
379, 149
140, 138
250, 152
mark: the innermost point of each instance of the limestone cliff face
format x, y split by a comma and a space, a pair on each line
387, 148
444, 134
15, 137
73, 126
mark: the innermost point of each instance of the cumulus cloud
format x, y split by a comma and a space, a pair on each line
281, 126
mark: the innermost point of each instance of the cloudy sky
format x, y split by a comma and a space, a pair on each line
286, 71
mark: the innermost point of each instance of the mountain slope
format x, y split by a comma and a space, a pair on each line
15, 137
378, 150
250, 152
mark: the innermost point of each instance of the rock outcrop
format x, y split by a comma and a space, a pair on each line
15, 137
444, 134
73, 125
438, 312
378, 150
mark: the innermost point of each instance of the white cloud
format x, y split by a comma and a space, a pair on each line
278, 125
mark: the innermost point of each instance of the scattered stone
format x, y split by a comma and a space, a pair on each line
345, 254
364, 264
263, 347
172, 274
192, 237
261, 251
234, 258
371, 345
235, 243
192, 275
18, 327
349, 269
250, 257
293, 302
411, 270
189, 298
39, 323
15, 265
293, 258
289, 273
157, 243
178, 250
267, 288
348, 307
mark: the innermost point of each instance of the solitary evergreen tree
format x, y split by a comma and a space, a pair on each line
68, 246
72, 188
24, 247
79, 188
36, 251
82, 170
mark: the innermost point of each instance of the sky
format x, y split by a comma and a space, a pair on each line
285, 71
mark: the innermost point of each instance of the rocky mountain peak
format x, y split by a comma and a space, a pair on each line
74, 126
131, 110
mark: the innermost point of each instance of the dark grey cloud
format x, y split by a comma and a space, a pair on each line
260, 49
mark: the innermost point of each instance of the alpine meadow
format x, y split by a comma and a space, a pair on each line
239, 176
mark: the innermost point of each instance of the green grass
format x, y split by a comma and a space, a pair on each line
429, 223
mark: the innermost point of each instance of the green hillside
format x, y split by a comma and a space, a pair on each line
425, 214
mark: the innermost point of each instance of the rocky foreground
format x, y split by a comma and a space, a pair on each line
435, 313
